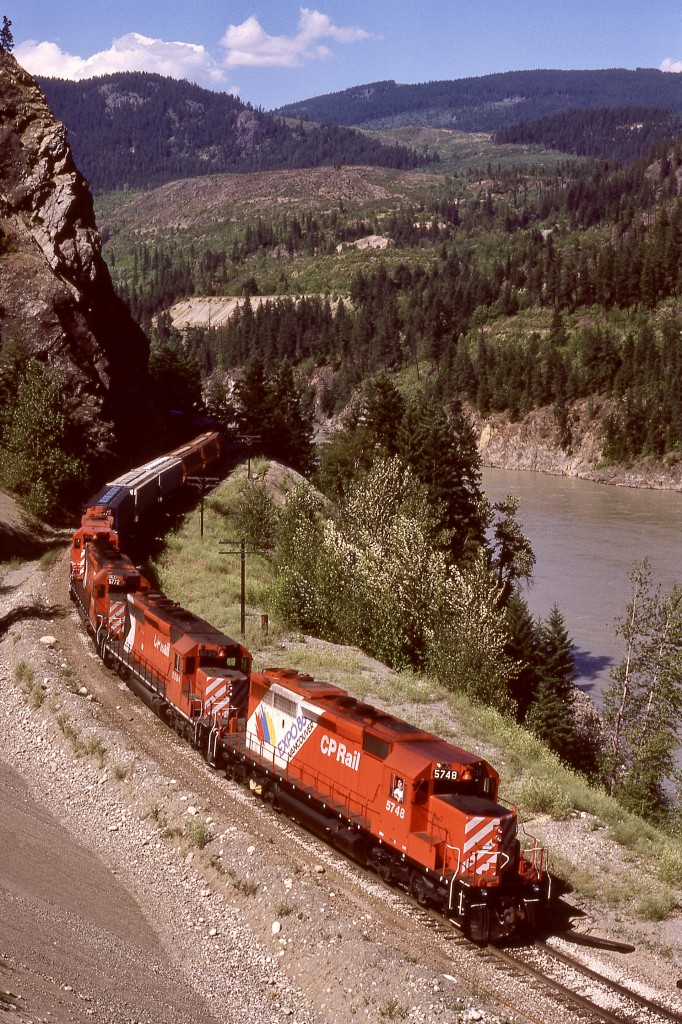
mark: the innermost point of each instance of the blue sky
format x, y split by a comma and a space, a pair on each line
271, 52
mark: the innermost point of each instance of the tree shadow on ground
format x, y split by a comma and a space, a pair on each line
30, 611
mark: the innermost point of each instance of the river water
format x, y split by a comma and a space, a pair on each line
586, 537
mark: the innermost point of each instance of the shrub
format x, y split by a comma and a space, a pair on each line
670, 869
198, 831
541, 796
654, 906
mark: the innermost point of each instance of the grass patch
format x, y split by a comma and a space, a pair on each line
49, 558
670, 867
243, 885
391, 1009
655, 906
90, 747
33, 691
68, 676
189, 560
545, 796
198, 832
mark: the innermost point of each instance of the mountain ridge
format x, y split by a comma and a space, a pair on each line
490, 102
140, 130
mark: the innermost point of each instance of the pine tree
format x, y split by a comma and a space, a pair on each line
513, 553
291, 426
219, 404
254, 400
384, 409
175, 376
552, 714
6, 38
441, 451
522, 647
42, 463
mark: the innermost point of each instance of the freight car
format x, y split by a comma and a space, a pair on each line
122, 502
420, 812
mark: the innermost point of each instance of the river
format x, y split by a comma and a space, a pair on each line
586, 537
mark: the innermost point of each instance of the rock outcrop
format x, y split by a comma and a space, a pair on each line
56, 296
535, 443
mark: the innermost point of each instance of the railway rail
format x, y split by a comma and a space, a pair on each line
592, 997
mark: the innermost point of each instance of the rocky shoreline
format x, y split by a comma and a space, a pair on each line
533, 444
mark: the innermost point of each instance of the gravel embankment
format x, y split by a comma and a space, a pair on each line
113, 913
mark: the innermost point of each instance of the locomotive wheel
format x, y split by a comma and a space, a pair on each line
270, 795
418, 889
123, 672
530, 917
478, 925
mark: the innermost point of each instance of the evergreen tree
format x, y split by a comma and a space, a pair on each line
42, 459
441, 451
522, 647
175, 377
513, 553
291, 427
6, 38
552, 714
254, 400
384, 409
219, 404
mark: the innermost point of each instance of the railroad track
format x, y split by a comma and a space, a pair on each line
574, 988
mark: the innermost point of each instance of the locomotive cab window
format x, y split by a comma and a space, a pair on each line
190, 665
398, 789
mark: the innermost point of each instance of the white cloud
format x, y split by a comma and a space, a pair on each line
670, 65
246, 45
249, 45
132, 52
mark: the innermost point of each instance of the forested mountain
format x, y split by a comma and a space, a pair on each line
491, 102
513, 287
138, 130
612, 133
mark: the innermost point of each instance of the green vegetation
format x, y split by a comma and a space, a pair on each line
483, 104
532, 775
137, 129
34, 691
643, 706
6, 37
198, 831
42, 457
92, 746
514, 286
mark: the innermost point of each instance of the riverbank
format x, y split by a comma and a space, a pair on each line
533, 443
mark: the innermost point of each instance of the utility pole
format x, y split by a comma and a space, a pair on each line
238, 547
203, 483
249, 441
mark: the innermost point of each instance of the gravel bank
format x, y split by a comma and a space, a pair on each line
140, 886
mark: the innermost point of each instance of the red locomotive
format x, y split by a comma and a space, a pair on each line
419, 811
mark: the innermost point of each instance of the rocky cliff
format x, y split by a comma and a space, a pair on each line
56, 296
536, 443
